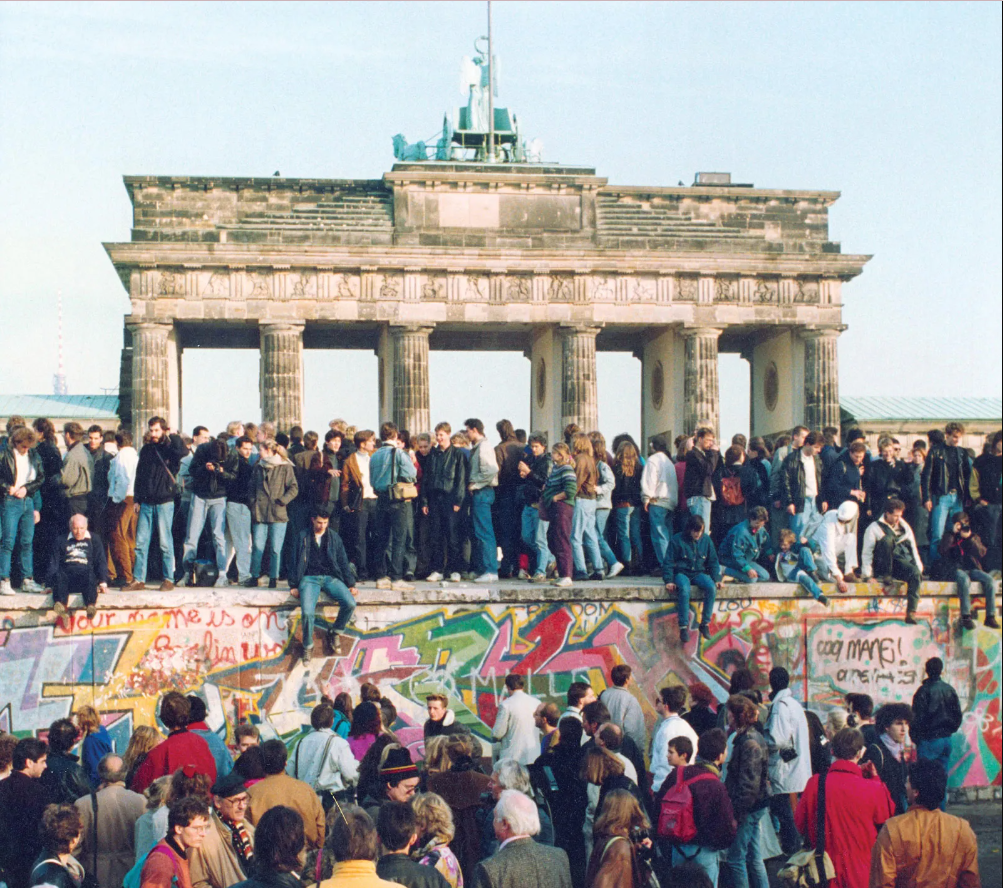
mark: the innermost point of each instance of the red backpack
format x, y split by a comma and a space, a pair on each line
731, 490
675, 817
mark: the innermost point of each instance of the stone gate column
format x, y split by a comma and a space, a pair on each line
281, 374
701, 392
821, 379
579, 391
151, 374
410, 408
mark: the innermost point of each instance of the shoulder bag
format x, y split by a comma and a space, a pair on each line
811, 867
400, 491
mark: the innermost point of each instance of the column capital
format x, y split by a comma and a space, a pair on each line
584, 328
401, 328
689, 332
277, 326
822, 332
149, 324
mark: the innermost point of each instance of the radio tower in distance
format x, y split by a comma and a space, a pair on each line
59, 379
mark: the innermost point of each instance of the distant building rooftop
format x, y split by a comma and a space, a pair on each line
96, 407
921, 409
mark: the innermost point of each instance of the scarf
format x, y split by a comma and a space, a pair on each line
241, 842
896, 749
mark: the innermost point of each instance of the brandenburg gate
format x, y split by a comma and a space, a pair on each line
549, 260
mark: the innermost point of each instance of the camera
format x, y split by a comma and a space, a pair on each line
638, 835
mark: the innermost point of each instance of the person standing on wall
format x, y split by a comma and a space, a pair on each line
481, 482
392, 475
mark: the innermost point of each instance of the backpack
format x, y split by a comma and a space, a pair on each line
675, 816
133, 878
731, 491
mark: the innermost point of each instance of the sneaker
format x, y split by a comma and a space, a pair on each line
221, 582
823, 600
538, 578
910, 619
273, 582
486, 578
333, 640
401, 586
167, 586
436, 577
307, 654
92, 610
704, 630
522, 575
454, 577
615, 571
134, 586
967, 623
59, 609
598, 577
579, 577
468, 576
991, 622
409, 577
552, 569
6, 588
684, 634
29, 585
384, 583
250, 583
563, 581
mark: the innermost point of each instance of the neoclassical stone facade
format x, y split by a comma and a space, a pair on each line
548, 260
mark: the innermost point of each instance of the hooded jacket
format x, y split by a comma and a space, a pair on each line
273, 484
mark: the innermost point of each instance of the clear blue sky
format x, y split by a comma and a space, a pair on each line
896, 105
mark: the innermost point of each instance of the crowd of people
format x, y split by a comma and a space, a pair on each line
451, 506
579, 797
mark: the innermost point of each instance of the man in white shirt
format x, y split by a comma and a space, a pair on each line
890, 552
481, 482
515, 727
837, 535
580, 694
120, 516
669, 704
660, 494
324, 760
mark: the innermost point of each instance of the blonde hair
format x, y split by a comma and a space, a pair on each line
436, 755
599, 764
433, 817
88, 719
620, 813
835, 721
156, 793
143, 739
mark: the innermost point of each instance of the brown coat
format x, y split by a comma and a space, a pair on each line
587, 475
612, 864
215, 864
925, 849
351, 481
281, 789
118, 810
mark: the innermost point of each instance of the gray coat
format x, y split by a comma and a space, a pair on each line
625, 711
521, 863
78, 470
273, 488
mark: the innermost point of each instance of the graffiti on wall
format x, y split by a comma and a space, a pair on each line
245, 661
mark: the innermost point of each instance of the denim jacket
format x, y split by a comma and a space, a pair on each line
741, 547
691, 558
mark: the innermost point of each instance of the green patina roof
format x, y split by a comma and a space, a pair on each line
60, 406
893, 407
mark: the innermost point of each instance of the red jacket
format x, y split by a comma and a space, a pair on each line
855, 809
179, 749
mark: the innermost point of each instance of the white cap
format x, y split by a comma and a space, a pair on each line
847, 511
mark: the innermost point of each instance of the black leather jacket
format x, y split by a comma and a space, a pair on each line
8, 471
446, 476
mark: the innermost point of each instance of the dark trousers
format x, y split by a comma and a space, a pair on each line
357, 533
781, 807
559, 536
390, 537
897, 562
76, 505
445, 534
72, 579
507, 520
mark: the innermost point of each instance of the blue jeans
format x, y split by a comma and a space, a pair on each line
800, 520
683, 586
238, 531
944, 507
762, 574
215, 511
163, 514
661, 530
274, 535
705, 858
602, 517
963, 579
534, 535
583, 533
938, 750
18, 518
627, 522
700, 505
744, 860
484, 554
310, 589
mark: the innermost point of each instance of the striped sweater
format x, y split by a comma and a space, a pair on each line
561, 479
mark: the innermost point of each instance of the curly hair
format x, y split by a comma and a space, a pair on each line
433, 818
61, 824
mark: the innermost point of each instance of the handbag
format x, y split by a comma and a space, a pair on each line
811, 867
176, 488
400, 491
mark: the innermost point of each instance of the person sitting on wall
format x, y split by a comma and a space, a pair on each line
691, 559
890, 552
79, 565
743, 545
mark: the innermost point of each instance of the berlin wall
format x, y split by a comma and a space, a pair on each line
236, 652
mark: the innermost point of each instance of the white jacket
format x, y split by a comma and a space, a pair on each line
835, 539
787, 727
875, 531
516, 728
673, 726
659, 485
